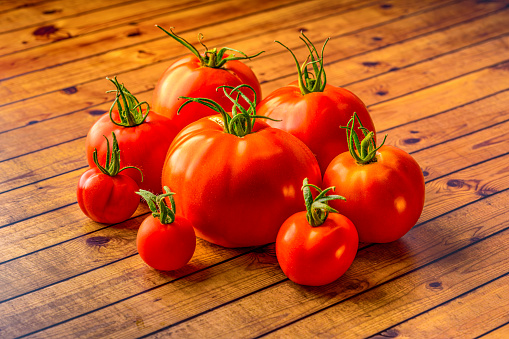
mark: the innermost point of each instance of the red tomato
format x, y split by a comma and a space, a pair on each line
313, 111
237, 190
316, 255
144, 144
197, 75
104, 194
384, 196
165, 243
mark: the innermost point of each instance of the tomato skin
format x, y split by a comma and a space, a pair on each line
316, 256
107, 199
143, 146
315, 118
237, 191
187, 77
166, 247
383, 199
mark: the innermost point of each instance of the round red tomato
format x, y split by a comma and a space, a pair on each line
313, 111
144, 143
107, 199
319, 255
315, 247
384, 196
197, 75
165, 241
237, 191
104, 193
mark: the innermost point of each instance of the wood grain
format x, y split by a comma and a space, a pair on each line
434, 77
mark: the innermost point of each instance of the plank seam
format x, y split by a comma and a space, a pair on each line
492, 330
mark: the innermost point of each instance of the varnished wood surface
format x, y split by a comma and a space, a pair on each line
435, 77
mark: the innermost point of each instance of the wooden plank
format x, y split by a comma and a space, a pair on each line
501, 332
469, 315
121, 36
276, 299
68, 28
125, 59
33, 13
91, 94
410, 294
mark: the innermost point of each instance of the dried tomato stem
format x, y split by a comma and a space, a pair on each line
318, 209
157, 205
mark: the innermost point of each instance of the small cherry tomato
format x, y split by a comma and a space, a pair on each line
165, 241
238, 179
104, 194
315, 247
143, 136
313, 110
383, 187
197, 75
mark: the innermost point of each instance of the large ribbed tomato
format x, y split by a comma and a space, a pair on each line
314, 111
197, 75
237, 182
143, 137
383, 187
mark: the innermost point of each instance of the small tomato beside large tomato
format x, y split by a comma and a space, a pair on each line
313, 110
383, 187
143, 136
198, 75
105, 194
165, 241
315, 247
238, 179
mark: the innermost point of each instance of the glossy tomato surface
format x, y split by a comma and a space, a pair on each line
166, 247
143, 146
107, 199
237, 191
315, 118
187, 77
317, 255
384, 199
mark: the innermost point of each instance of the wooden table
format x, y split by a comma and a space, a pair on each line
435, 77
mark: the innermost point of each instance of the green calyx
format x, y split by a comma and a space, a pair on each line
318, 209
112, 165
242, 120
158, 205
212, 57
129, 108
364, 152
315, 80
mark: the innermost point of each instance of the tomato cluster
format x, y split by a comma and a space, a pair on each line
213, 160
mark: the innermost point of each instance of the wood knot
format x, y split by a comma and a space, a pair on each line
371, 63
70, 90
411, 141
96, 112
98, 241
435, 286
45, 31
455, 183
386, 6
381, 92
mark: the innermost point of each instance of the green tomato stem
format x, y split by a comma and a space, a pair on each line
112, 163
318, 209
315, 81
157, 205
212, 57
364, 152
131, 112
242, 120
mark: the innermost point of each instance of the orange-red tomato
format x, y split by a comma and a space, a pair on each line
316, 255
384, 199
